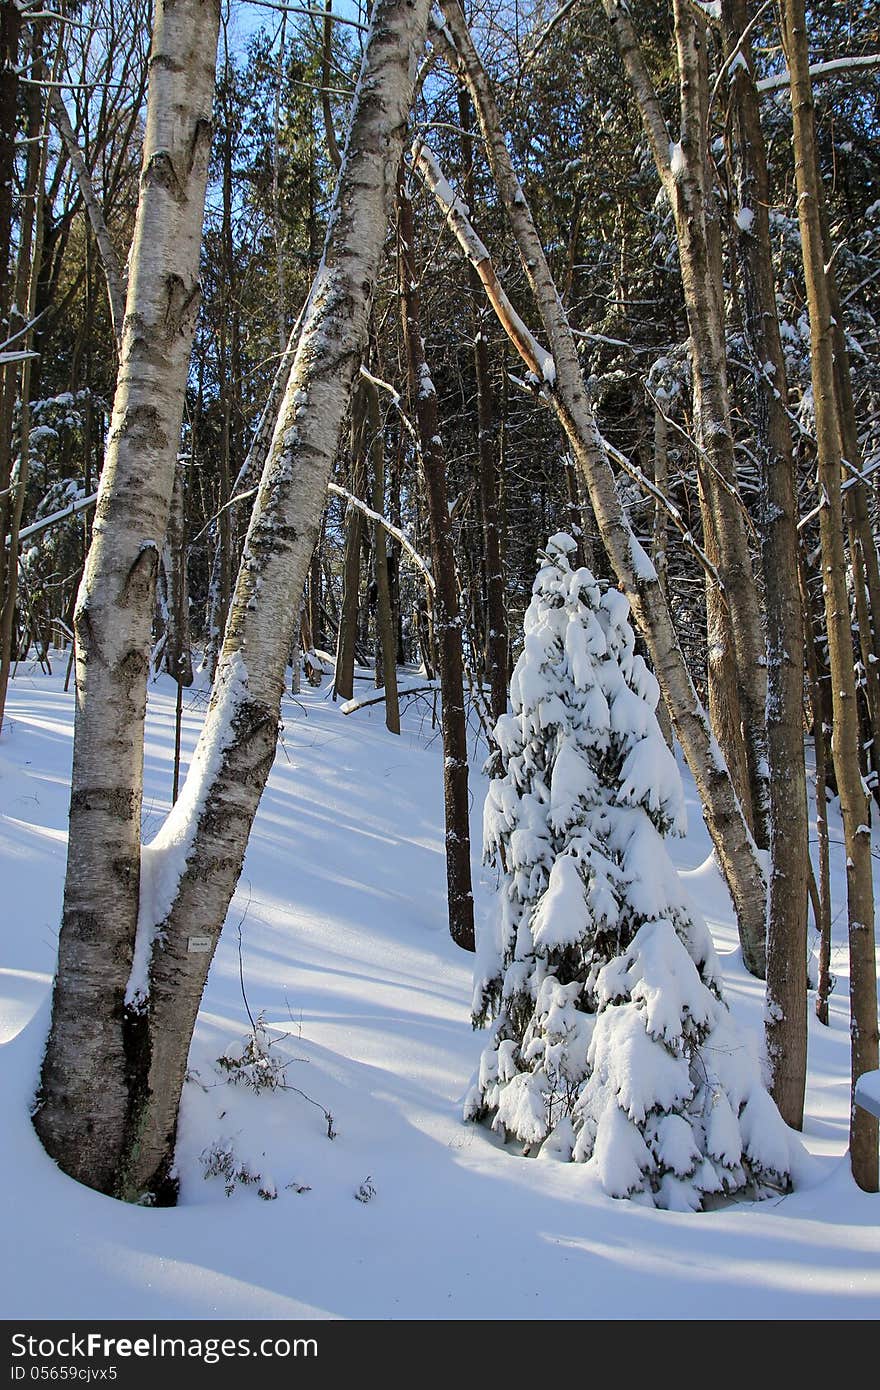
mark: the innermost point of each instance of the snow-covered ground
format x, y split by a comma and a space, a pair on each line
405, 1212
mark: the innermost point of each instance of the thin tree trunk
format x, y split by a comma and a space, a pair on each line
315, 622
10, 31
635, 573
113, 273
862, 546
823, 887
85, 1094
658, 537
786, 1012
177, 654
386, 644
277, 221
490, 483
346, 638
27, 280
845, 740
447, 618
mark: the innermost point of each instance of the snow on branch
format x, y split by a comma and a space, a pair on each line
538, 360
379, 696
311, 13
653, 491
835, 67
46, 521
388, 526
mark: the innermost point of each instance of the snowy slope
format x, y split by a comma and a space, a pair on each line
345, 952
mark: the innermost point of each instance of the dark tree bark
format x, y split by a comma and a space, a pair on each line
845, 740
86, 1095
447, 619
386, 665
786, 1014
343, 682
496, 644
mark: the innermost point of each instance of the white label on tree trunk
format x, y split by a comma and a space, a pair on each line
198, 944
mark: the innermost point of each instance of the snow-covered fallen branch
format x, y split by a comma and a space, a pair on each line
378, 696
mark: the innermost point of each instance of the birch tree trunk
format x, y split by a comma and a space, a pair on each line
85, 1088
195, 860
786, 1012
845, 737
635, 573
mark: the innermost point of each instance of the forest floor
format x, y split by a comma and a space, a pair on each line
338, 932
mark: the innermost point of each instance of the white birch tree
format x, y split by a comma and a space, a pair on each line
113, 1076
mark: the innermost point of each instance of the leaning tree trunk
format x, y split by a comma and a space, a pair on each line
845, 739
635, 573
113, 272
737, 682
786, 1013
208, 829
447, 616
85, 1094
10, 31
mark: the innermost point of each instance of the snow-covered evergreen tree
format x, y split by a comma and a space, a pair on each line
610, 1040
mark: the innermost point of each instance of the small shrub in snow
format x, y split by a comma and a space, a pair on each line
610, 1041
252, 1062
219, 1160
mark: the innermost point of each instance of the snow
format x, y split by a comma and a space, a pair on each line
677, 161
164, 859
345, 948
745, 219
